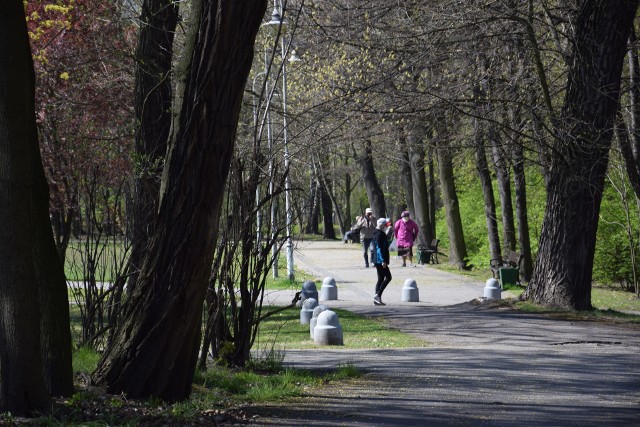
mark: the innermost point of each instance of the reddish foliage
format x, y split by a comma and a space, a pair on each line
84, 93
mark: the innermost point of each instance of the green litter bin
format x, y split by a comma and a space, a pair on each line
509, 276
423, 255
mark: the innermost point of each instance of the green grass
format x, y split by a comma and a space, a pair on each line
283, 331
85, 360
283, 283
558, 313
75, 258
604, 298
213, 391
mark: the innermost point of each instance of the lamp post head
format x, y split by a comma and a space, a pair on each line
276, 18
294, 56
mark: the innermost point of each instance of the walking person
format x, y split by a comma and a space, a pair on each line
406, 232
381, 259
366, 224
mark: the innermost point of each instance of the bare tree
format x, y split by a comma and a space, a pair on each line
35, 345
563, 271
154, 350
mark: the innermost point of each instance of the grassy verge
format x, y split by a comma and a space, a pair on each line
284, 331
595, 314
604, 298
217, 397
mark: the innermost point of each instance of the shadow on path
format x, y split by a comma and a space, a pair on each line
484, 366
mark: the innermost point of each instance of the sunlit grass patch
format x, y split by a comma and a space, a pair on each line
285, 331
85, 360
613, 299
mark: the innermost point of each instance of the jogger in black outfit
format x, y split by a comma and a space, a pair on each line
381, 259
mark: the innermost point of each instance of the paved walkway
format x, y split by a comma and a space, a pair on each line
484, 365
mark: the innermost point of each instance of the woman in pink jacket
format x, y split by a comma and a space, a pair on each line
406, 231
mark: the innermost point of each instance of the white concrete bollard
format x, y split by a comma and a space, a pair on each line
307, 310
410, 291
492, 289
314, 319
328, 290
328, 330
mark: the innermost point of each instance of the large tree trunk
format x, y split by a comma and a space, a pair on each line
374, 191
457, 246
330, 205
630, 142
405, 175
314, 206
327, 214
154, 350
420, 191
348, 216
153, 113
563, 271
22, 389
55, 329
432, 193
487, 194
500, 162
520, 187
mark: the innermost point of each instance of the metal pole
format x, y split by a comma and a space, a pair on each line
274, 249
257, 136
287, 183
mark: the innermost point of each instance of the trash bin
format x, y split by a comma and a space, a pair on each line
509, 276
423, 255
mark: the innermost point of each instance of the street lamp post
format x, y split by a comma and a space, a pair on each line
255, 129
278, 23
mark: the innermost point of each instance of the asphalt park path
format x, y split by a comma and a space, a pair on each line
484, 365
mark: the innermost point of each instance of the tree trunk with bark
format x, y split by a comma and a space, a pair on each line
420, 191
630, 142
432, 192
333, 205
405, 176
348, 189
374, 191
53, 297
457, 246
22, 389
500, 162
520, 187
314, 206
563, 271
152, 104
327, 214
155, 348
487, 193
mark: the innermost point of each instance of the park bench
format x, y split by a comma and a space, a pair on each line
428, 254
507, 269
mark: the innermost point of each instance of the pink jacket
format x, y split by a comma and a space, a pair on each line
405, 232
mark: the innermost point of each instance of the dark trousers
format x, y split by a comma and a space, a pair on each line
384, 277
366, 243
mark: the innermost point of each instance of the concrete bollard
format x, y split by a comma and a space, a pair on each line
314, 319
309, 290
328, 330
492, 289
410, 291
328, 290
307, 310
